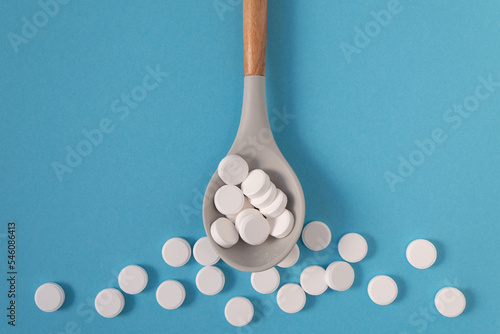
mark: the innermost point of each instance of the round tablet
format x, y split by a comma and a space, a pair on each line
210, 280
316, 236
291, 298
49, 297
204, 253
109, 302
242, 214
224, 233
239, 311
233, 169
133, 279
170, 294
313, 280
353, 247
229, 200
382, 290
282, 225
266, 199
256, 184
277, 206
265, 281
421, 253
176, 252
339, 275
254, 229
291, 258
450, 302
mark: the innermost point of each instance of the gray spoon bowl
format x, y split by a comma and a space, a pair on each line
255, 143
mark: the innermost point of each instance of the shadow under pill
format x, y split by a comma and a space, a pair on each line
440, 252
229, 279
402, 288
310, 301
358, 276
152, 278
69, 295
470, 300
129, 303
372, 246
191, 292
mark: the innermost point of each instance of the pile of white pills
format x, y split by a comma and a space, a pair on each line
254, 209
253, 206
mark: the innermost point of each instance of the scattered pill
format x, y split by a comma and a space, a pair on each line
339, 275
210, 280
291, 258
204, 253
170, 294
421, 253
49, 297
265, 281
229, 200
382, 290
316, 235
239, 311
133, 279
254, 229
242, 214
256, 184
233, 169
224, 233
176, 252
282, 225
277, 206
352, 247
291, 298
266, 199
450, 302
109, 302
312, 280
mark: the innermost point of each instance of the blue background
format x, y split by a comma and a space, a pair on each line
349, 122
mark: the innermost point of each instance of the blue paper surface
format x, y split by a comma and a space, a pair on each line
388, 112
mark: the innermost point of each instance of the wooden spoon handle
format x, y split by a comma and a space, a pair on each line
254, 36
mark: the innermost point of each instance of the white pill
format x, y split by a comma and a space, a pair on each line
277, 206
382, 290
176, 252
339, 275
204, 253
291, 258
239, 311
265, 281
254, 229
450, 302
49, 297
312, 280
109, 302
316, 236
170, 294
266, 199
291, 298
282, 225
233, 169
421, 253
246, 205
256, 184
242, 214
353, 247
210, 280
224, 233
133, 279
229, 200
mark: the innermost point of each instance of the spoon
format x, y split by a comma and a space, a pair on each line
255, 143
